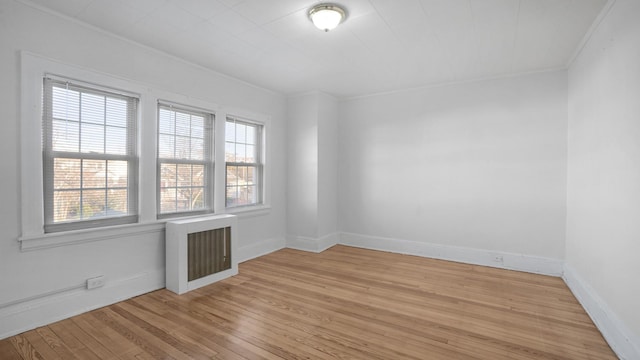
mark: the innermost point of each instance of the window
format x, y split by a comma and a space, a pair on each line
89, 156
243, 155
185, 162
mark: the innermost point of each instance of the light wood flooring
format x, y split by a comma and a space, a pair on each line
345, 303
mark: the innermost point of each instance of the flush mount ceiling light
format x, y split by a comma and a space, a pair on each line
327, 16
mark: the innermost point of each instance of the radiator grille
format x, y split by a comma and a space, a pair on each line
209, 252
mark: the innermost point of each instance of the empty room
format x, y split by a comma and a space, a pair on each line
294, 179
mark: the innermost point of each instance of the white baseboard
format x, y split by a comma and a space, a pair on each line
317, 245
43, 310
21, 316
623, 342
261, 248
498, 259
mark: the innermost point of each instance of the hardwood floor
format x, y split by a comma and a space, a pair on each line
345, 303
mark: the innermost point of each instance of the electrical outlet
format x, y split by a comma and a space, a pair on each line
498, 258
95, 282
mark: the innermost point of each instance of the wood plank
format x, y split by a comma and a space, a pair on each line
346, 303
7, 351
24, 348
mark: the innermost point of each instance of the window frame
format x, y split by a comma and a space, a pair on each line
259, 164
208, 161
49, 155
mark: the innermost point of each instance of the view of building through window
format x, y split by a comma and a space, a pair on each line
243, 163
91, 165
184, 140
87, 153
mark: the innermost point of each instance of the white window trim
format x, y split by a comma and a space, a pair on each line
33, 70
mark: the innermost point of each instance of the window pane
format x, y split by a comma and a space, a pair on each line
65, 136
242, 175
65, 104
93, 174
167, 175
230, 152
92, 108
93, 204
241, 133
116, 140
251, 135
166, 145
184, 175
167, 122
251, 154
197, 149
92, 138
242, 195
183, 148
197, 198
183, 124
252, 194
117, 202
66, 174
66, 205
251, 175
241, 155
232, 196
232, 177
116, 112
198, 175
117, 175
168, 200
197, 126
230, 132
184, 199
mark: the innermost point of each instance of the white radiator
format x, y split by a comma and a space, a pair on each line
200, 251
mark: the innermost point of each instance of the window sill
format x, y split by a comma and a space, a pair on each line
249, 211
64, 238
51, 240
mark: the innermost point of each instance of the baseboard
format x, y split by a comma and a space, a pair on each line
38, 311
317, 245
498, 259
261, 248
623, 342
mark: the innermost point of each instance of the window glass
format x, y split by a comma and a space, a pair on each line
184, 160
243, 163
89, 156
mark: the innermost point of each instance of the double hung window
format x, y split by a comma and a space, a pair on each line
185, 161
89, 156
244, 168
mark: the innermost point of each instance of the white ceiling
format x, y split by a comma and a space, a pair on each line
384, 45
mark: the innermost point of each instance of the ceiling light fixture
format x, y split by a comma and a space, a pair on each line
327, 16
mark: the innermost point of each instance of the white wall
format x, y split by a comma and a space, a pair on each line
603, 222
312, 222
327, 165
302, 165
478, 165
49, 282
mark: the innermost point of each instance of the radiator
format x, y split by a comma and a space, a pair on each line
200, 251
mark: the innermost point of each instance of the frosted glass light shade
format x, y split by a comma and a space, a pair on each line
327, 16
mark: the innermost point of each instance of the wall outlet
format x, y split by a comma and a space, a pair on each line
498, 258
95, 282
